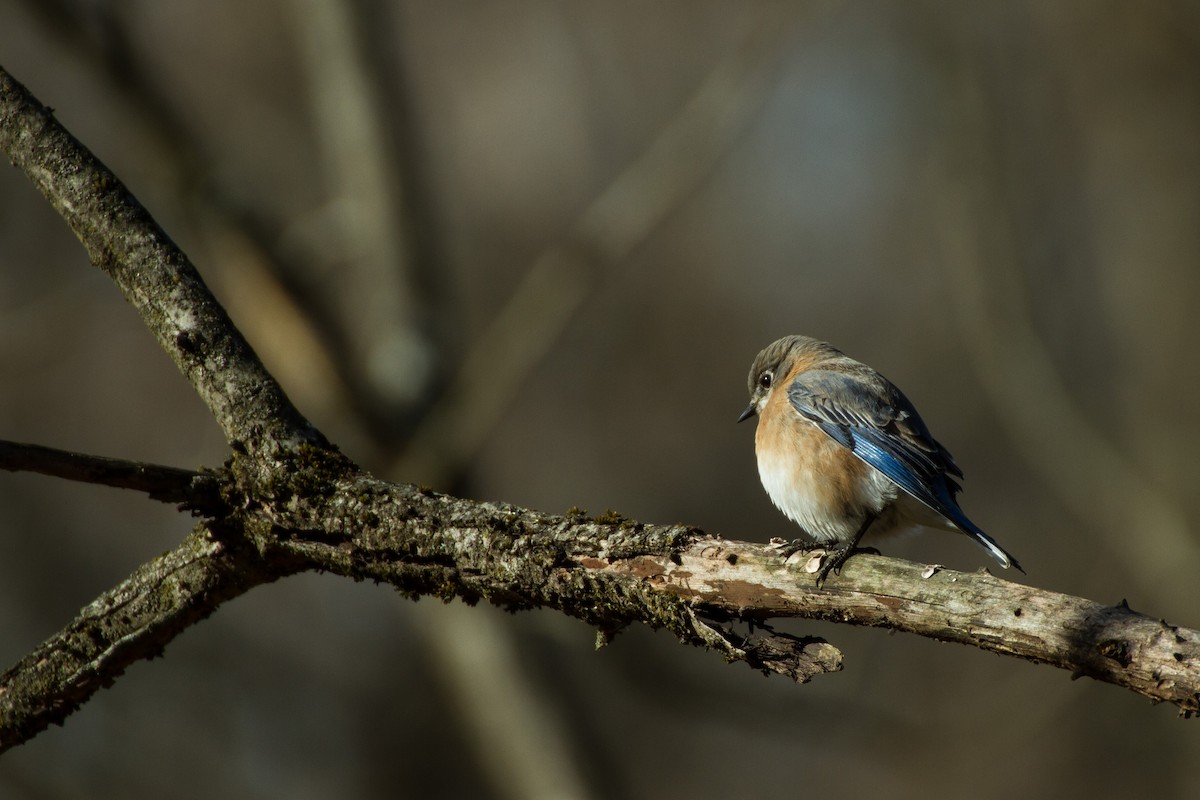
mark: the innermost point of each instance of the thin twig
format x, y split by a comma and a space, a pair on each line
165, 484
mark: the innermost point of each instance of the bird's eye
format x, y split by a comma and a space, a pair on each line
764, 380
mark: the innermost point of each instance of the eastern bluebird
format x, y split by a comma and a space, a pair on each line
841, 450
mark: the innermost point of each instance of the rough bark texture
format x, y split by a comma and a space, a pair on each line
132, 621
288, 501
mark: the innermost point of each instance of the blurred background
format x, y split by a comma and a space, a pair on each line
526, 252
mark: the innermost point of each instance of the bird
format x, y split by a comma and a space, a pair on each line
841, 451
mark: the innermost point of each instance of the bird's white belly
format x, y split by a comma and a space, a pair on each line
828, 510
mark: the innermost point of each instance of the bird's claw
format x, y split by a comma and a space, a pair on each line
833, 563
789, 549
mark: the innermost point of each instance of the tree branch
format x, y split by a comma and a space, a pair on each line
165, 484
609, 572
154, 275
132, 621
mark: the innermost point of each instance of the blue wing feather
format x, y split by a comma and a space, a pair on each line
878, 424
861, 410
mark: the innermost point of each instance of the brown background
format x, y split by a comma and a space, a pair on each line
603, 211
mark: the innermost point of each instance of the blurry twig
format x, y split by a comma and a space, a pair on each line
521, 740
166, 484
559, 281
375, 289
520, 736
292, 338
511, 720
491, 375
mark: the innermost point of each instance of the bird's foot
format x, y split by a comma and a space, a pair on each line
837, 558
824, 559
789, 549
833, 563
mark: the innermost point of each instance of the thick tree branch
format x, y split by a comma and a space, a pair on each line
609, 572
154, 275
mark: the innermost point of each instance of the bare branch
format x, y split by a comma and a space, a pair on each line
154, 275
165, 484
609, 572
133, 621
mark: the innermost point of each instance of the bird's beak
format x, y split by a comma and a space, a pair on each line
748, 413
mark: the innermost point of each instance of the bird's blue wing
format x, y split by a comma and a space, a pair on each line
864, 412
